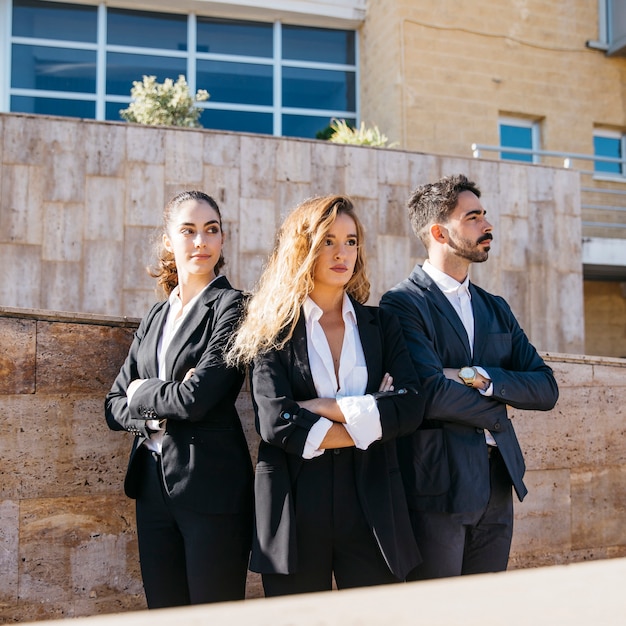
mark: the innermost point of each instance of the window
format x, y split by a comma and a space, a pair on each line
608, 145
263, 77
520, 134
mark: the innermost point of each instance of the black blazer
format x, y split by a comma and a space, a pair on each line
205, 458
280, 377
445, 463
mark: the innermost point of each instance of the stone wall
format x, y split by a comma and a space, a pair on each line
80, 202
67, 533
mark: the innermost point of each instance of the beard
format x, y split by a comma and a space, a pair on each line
469, 250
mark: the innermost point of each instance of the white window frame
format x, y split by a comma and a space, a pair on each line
521, 122
611, 134
191, 55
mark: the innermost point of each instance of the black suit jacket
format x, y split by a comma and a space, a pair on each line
279, 378
205, 459
445, 464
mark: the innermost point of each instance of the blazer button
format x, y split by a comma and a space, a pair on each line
285, 415
496, 426
480, 431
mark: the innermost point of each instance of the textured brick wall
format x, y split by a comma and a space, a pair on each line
80, 202
67, 533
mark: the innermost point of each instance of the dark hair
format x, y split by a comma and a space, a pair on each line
165, 272
434, 202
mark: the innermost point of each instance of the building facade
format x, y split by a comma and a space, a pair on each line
530, 81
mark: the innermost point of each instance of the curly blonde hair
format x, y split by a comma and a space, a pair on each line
274, 309
165, 270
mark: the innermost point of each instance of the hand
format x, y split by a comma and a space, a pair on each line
386, 384
452, 373
189, 374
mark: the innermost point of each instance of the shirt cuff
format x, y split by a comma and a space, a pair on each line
362, 419
489, 390
315, 437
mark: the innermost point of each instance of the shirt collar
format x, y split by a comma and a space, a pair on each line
312, 312
446, 283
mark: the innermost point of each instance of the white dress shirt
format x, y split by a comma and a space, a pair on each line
459, 296
361, 411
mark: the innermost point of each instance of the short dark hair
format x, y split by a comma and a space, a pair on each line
432, 203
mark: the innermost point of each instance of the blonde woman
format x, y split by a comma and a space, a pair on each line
189, 470
332, 388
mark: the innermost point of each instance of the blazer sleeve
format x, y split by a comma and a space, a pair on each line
402, 410
116, 411
527, 384
195, 399
280, 421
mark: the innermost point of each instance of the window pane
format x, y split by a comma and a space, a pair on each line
55, 69
123, 69
607, 147
112, 111
516, 137
243, 83
318, 89
239, 121
54, 106
240, 38
52, 20
307, 126
318, 44
147, 30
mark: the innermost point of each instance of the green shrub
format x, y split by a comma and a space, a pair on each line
164, 104
344, 133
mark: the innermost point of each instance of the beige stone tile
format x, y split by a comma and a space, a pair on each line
610, 375
293, 161
393, 168
288, 197
65, 174
258, 219
573, 375
63, 285
391, 209
540, 186
512, 183
392, 264
599, 506
21, 287
222, 149
137, 302
102, 271
223, 185
361, 172
542, 520
108, 156
250, 269
9, 543
63, 232
450, 166
69, 357
104, 208
145, 144
22, 139
145, 199
17, 357
423, 168
71, 547
258, 166
327, 168
21, 217
566, 185
183, 158
139, 253
513, 243
571, 330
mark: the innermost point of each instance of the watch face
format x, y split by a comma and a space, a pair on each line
467, 373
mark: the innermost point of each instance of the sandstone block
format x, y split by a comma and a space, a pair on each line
17, 358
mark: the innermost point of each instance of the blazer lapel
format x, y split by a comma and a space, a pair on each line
370, 334
439, 300
481, 324
150, 366
300, 355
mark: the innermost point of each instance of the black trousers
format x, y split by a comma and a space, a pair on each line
187, 557
468, 543
332, 533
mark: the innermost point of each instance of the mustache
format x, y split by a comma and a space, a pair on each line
486, 237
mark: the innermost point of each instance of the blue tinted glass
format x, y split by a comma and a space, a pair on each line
318, 89
242, 83
123, 69
240, 38
112, 111
516, 137
54, 106
239, 121
307, 126
54, 20
147, 30
55, 69
607, 147
318, 44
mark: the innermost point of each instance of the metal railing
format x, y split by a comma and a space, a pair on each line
597, 184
